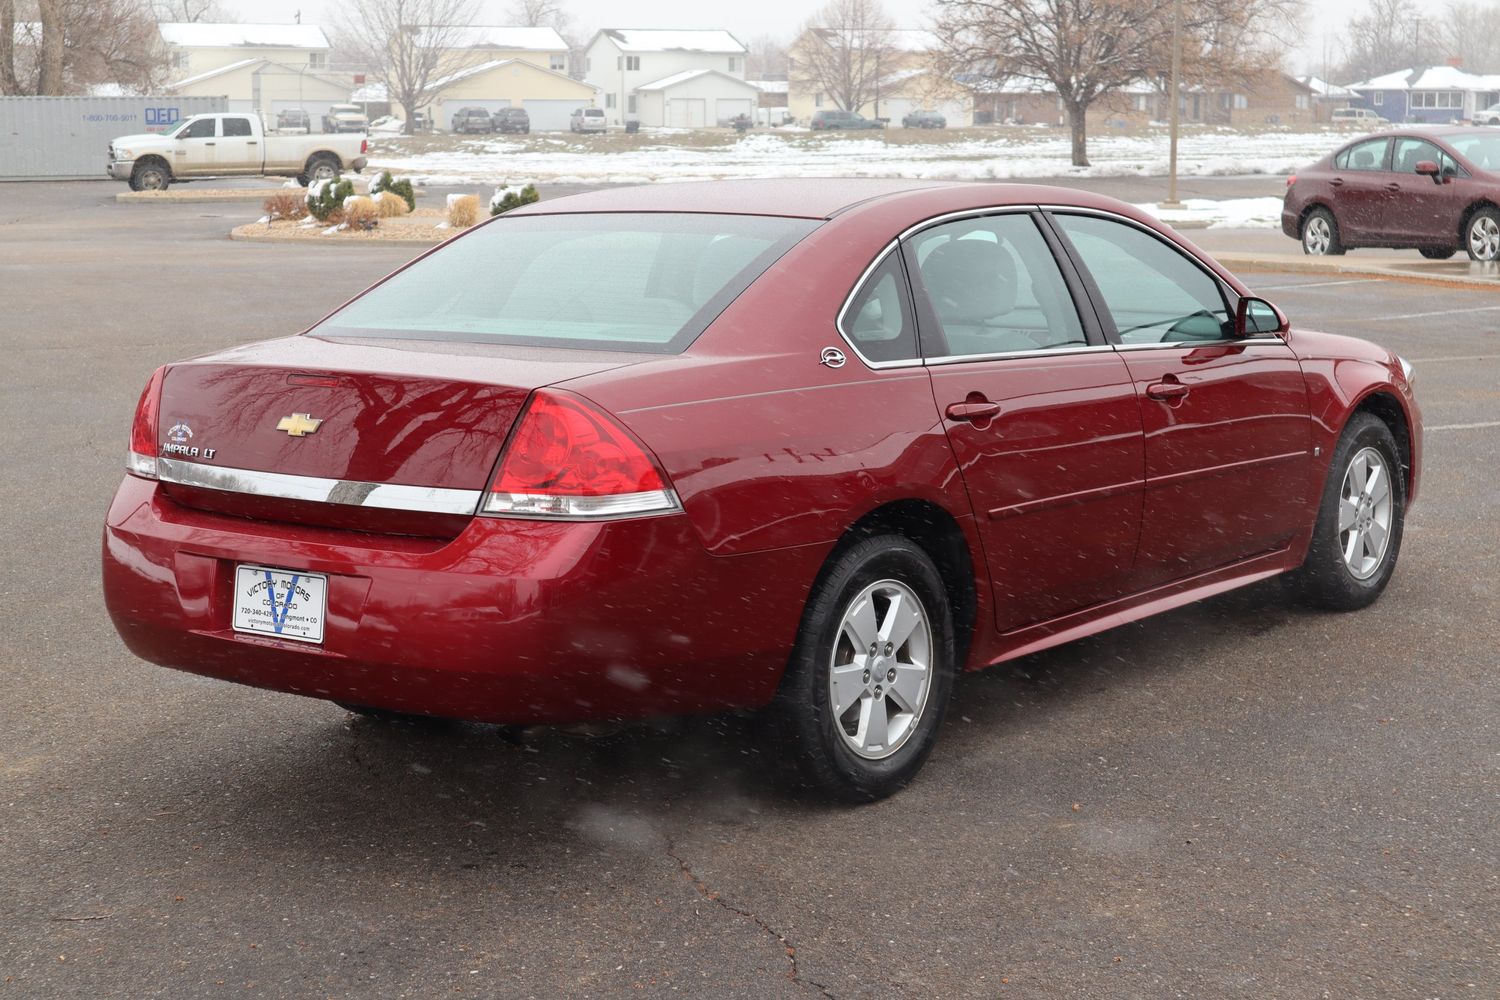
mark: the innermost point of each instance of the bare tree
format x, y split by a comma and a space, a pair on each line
539, 14
192, 11
9, 84
410, 45
1387, 37
102, 42
767, 59
54, 45
844, 50
1471, 35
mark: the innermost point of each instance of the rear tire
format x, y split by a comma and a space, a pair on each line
1357, 537
320, 167
1437, 253
871, 674
152, 175
1320, 234
1482, 234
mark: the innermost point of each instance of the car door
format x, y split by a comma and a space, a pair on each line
1040, 412
195, 149
1428, 210
1226, 419
1361, 185
238, 150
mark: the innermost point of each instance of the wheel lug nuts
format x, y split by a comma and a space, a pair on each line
891, 675
874, 648
889, 649
877, 690
867, 677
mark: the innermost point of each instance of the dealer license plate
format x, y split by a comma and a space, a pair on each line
280, 602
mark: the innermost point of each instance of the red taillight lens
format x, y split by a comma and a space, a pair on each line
364, 146
1291, 180
141, 460
569, 459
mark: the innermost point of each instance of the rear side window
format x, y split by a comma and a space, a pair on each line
1153, 292
878, 319
644, 282
1368, 155
994, 288
237, 126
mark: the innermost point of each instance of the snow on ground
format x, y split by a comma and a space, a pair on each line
1232, 213
1011, 153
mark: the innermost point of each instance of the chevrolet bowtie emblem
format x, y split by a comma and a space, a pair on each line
299, 424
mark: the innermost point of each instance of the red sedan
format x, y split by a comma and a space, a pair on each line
809, 447
1432, 189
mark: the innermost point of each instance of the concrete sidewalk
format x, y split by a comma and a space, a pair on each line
1270, 250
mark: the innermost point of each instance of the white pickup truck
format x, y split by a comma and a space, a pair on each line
230, 145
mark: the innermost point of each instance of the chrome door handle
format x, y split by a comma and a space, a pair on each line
1393, 187
966, 412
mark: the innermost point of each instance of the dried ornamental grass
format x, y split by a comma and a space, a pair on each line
361, 213
391, 206
463, 210
285, 205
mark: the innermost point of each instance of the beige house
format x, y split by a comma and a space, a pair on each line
549, 97
266, 87
195, 48
487, 43
906, 76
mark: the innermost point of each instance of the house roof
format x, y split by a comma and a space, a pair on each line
200, 77
203, 35
668, 82
495, 64
667, 40
298, 71
1325, 89
771, 86
495, 36
1430, 78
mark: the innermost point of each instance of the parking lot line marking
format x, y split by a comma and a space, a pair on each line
1439, 312
1317, 284
1465, 427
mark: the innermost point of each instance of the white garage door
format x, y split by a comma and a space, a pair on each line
731, 107
689, 113
551, 116
315, 111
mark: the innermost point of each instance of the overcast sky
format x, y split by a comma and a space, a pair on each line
746, 18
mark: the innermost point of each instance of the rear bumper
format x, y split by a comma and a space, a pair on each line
512, 621
1290, 218
359, 163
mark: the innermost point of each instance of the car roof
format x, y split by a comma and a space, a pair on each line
817, 198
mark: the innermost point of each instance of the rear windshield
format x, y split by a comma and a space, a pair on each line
615, 282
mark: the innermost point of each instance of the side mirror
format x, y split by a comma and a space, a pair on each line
1428, 168
1256, 317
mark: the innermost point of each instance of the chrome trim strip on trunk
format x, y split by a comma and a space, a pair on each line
386, 496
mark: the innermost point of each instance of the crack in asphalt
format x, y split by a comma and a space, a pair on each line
792, 972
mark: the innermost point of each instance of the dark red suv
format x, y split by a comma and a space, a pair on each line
1431, 189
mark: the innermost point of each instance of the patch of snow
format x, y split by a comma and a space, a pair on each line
1231, 213
505, 189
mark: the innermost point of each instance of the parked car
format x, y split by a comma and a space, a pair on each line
472, 120
924, 119
1362, 117
345, 118
229, 145
1433, 190
834, 119
598, 495
293, 120
586, 120
1489, 116
512, 120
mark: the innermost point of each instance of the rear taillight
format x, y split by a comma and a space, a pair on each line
1291, 180
569, 460
144, 447
364, 146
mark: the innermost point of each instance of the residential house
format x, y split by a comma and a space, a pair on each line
686, 78
549, 96
471, 46
268, 87
772, 109
1434, 94
907, 76
1327, 97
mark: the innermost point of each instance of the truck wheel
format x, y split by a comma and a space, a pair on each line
151, 175
321, 167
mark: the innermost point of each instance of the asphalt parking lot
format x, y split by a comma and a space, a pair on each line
1237, 799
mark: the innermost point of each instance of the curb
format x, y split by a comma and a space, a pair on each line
332, 241
1297, 265
170, 197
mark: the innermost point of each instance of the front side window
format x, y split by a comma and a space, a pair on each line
237, 127
1152, 291
203, 128
878, 320
1369, 155
1410, 152
619, 282
993, 287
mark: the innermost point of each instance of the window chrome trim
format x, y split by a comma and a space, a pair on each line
1194, 344
894, 246
386, 496
1041, 352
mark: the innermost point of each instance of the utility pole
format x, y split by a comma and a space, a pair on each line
1172, 201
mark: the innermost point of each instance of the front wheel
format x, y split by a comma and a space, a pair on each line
1482, 235
869, 679
150, 176
1358, 533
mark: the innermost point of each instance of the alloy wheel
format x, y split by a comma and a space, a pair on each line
1316, 236
880, 673
1484, 238
1365, 509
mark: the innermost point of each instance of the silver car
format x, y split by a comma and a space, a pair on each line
586, 120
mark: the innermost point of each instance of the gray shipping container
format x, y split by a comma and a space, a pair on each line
66, 138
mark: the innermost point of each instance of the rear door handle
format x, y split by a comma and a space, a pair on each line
971, 411
1337, 182
208, 144
1166, 390
1393, 187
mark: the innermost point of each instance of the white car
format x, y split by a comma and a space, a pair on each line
230, 145
1363, 117
1489, 116
345, 118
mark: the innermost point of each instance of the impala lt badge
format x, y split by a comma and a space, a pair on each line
299, 424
